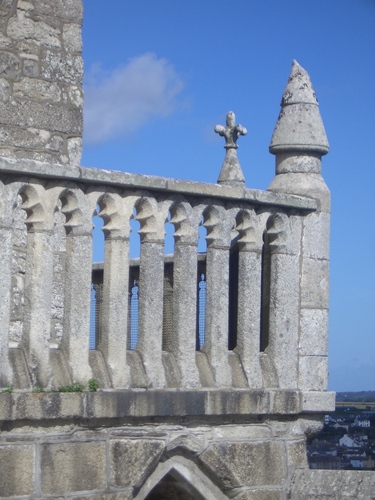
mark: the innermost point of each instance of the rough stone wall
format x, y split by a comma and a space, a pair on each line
201, 460
218, 460
41, 72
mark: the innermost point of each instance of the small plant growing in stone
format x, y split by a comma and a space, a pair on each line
8, 390
38, 389
93, 385
76, 387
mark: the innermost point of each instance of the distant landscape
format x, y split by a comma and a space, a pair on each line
356, 397
347, 440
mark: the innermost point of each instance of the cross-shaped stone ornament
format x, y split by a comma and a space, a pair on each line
231, 173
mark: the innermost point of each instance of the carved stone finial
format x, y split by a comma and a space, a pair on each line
231, 132
231, 173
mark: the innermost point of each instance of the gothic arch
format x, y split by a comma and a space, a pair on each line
183, 475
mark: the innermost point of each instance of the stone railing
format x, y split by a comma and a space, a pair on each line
212, 367
254, 297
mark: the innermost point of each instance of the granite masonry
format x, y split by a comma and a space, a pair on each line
181, 412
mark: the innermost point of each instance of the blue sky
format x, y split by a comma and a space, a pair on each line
160, 74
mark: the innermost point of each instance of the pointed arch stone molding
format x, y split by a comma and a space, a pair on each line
182, 469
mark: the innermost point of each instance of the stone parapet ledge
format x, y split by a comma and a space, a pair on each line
127, 180
161, 403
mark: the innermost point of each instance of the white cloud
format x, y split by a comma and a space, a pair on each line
119, 103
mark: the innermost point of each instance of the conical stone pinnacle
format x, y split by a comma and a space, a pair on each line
299, 126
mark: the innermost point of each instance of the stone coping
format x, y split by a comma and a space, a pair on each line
161, 403
127, 180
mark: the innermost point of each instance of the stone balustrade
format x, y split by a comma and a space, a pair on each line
252, 271
212, 367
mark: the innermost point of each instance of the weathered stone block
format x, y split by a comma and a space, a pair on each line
75, 95
315, 284
123, 495
39, 156
313, 373
37, 89
264, 494
17, 469
30, 68
5, 90
74, 145
314, 332
246, 464
10, 65
56, 144
235, 432
66, 9
25, 5
279, 428
23, 137
28, 49
36, 406
83, 463
72, 37
187, 442
42, 115
60, 66
316, 401
285, 401
6, 4
316, 227
5, 406
332, 485
243, 402
21, 27
133, 461
297, 456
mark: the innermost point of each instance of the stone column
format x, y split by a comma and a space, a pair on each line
150, 322
284, 238
114, 321
77, 303
217, 298
299, 141
152, 217
249, 296
185, 292
5, 286
38, 294
116, 213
